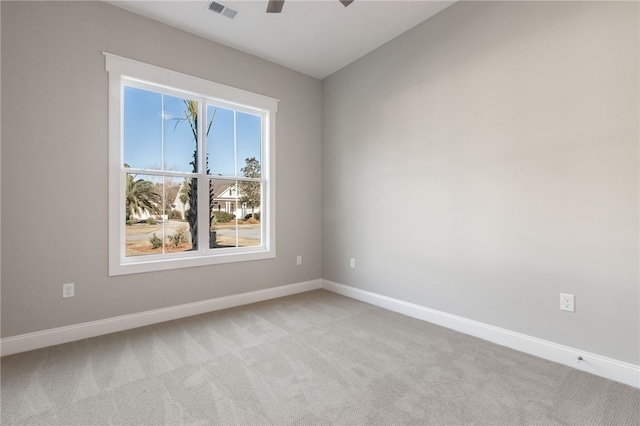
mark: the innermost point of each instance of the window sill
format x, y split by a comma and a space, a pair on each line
160, 263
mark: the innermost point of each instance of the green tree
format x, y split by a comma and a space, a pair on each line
250, 191
141, 196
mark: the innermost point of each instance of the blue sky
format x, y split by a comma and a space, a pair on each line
148, 116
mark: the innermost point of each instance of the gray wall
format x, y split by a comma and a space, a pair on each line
486, 161
54, 165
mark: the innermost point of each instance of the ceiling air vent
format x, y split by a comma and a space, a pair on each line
222, 9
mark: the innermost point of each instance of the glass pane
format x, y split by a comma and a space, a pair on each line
143, 210
155, 216
184, 213
248, 143
223, 201
142, 128
172, 196
177, 228
235, 214
250, 228
220, 141
180, 134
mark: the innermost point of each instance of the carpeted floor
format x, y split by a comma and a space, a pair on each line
314, 358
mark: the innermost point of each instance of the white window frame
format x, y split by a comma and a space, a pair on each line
122, 70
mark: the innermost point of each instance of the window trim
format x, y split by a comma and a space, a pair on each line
119, 69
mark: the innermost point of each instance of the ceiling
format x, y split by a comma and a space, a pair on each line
315, 37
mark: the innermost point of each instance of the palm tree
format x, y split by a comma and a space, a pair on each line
141, 196
190, 189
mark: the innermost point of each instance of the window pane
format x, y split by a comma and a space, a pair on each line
143, 209
154, 215
172, 196
180, 134
220, 141
142, 128
235, 207
250, 228
224, 210
185, 210
248, 128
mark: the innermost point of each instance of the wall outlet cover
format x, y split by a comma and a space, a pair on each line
68, 290
567, 302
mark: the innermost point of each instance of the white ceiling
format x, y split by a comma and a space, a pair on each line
315, 37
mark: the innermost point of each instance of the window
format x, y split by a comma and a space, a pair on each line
191, 176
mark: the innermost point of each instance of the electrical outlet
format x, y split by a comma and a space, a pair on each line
567, 302
299, 260
68, 290
353, 262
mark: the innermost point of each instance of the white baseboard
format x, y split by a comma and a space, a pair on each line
56, 336
592, 363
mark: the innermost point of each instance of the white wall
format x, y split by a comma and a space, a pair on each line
55, 163
511, 129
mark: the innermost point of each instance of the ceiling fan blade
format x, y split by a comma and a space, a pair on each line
346, 2
275, 6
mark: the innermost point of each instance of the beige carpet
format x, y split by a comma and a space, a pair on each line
314, 358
